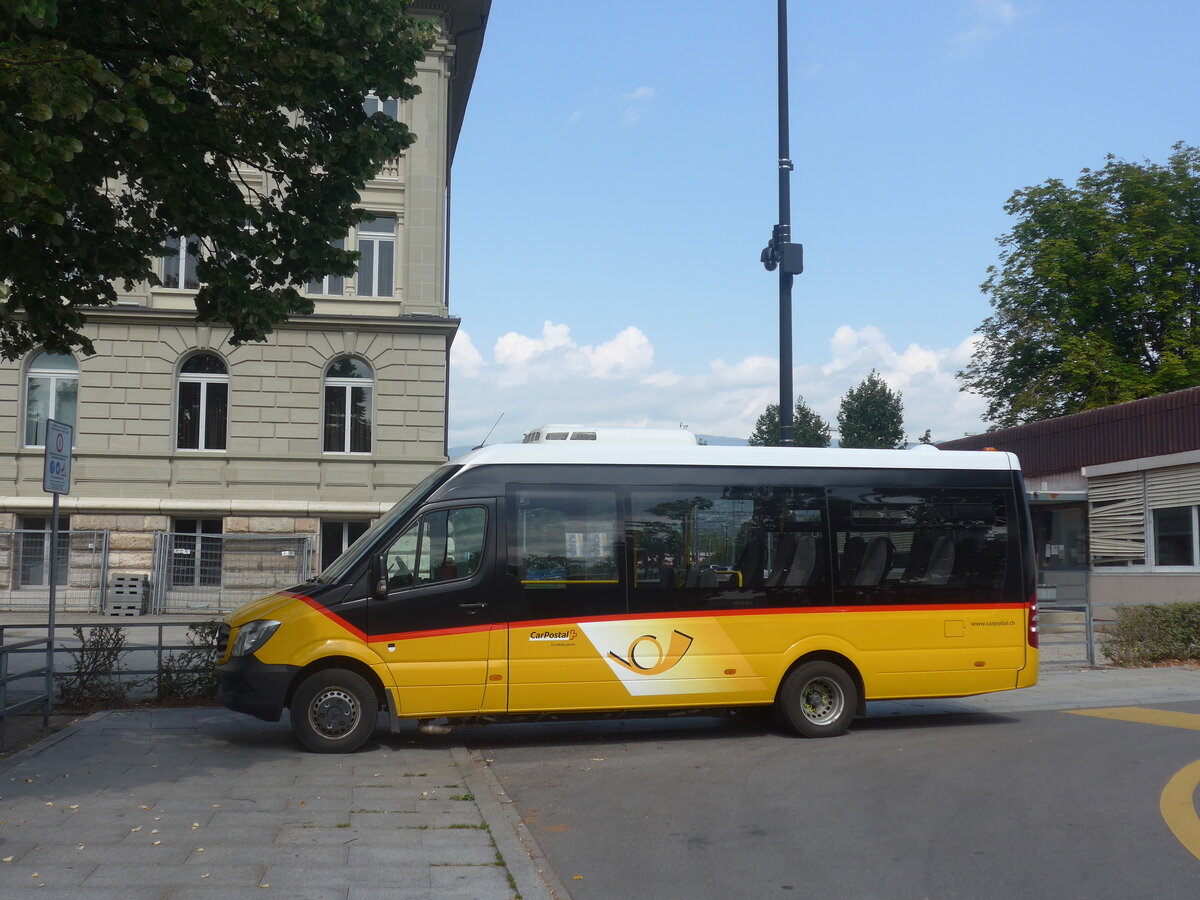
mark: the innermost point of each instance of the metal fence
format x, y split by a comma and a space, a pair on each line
80, 573
150, 655
213, 573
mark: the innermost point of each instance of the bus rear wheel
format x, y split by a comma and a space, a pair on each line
817, 699
334, 711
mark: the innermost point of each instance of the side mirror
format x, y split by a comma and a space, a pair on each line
379, 575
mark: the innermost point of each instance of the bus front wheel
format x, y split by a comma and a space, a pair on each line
817, 699
334, 711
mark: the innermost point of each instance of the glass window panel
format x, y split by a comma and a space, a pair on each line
37, 409
349, 367
216, 413
360, 420
66, 396
170, 263
188, 437
203, 364
61, 362
383, 286
335, 418
366, 268
1174, 543
190, 280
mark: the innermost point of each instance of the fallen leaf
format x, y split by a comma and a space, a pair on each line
143, 807
35, 875
49, 803
79, 846
156, 843
8, 859
139, 828
216, 806
577, 877
195, 825
154, 831
199, 849
205, 875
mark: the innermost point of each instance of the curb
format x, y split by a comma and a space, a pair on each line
524, 859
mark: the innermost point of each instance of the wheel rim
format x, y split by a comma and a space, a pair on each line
821, 700
334, 712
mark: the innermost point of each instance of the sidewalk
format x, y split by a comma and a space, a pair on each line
209, 803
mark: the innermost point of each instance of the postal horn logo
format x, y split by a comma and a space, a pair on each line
653, 659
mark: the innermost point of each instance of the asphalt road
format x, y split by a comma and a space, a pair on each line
1023, 804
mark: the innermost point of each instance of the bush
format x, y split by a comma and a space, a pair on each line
189, 674
95, 678
1144, 635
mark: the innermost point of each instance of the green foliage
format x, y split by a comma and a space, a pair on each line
872, 415
1149, 634
927, 437
189, 674
1097, 296
129, 121
808, 428
95, 678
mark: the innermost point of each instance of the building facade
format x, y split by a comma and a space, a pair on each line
312, 433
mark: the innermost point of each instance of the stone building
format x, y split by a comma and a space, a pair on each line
312, 433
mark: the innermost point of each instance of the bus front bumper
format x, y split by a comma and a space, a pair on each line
246, 685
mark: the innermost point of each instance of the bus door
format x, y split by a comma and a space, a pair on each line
564, 569
434, 618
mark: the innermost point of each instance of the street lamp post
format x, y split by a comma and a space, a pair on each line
780, 252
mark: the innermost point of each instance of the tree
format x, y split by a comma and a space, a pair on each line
236, 126
808, 428
872, 415
927, 437
1096, 299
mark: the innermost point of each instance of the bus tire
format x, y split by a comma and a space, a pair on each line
334, 711
817, 699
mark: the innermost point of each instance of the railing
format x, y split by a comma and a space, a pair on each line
139, 678
43, 698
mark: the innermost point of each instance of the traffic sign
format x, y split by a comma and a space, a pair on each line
56, 476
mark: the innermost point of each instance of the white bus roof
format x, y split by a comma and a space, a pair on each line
625, 454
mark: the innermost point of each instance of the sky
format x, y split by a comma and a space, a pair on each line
616, 181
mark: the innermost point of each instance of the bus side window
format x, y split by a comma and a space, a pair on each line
726, 547
935, 545
440, 546
563, 542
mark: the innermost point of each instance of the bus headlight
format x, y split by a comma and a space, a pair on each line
253, 635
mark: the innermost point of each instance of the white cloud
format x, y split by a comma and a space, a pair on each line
552, 377
638, 103
464, 358
983, 20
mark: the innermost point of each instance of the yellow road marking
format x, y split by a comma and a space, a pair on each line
1179, 811
1177, 803
1144, 716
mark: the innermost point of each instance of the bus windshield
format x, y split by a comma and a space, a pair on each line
410, 501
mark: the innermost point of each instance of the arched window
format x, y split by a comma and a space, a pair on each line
51, 392
347, 421
203, 403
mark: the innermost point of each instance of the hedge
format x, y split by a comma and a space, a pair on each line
1145, 635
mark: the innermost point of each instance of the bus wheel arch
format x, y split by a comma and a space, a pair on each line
820, 695
334, 705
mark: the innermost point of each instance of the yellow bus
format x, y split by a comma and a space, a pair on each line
583, 578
